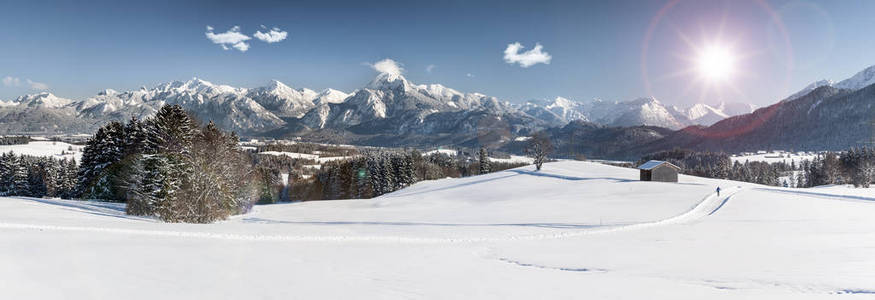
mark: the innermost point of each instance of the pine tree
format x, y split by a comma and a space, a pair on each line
6, 170
388, 175
135, 137
484, 161
171, 130
19, 179
67, 179
375, 173
51, 177
147, 190
409, 169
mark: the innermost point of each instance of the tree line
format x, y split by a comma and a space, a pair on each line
719, 165
31, 176
855, 166
378, 172
14, 140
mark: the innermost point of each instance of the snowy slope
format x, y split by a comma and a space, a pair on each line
704, 114
573, 230
861, 79
810, 87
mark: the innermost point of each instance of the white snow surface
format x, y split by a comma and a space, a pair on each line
291, 154
449, 152
775, 157
575, 230
514, 159
45, 149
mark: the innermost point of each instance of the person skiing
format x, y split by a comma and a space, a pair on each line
718, 191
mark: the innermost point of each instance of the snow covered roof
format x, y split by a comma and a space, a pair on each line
654, 163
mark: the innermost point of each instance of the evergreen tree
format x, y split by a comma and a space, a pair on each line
135, 137
67, 179
484, 161
6, 170
147, 188
388, 175
19, 178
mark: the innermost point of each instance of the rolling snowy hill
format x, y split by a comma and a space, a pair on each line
573, 230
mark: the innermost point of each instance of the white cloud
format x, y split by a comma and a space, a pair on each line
11, 81
429, 68
388, 66
469, 75
15, 81
37, 85
231, 37
239, 46
272, 36
526, 59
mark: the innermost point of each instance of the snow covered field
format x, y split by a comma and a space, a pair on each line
575, 230
774, 157
46, 149
315, 157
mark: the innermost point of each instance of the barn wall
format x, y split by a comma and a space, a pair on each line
664, 173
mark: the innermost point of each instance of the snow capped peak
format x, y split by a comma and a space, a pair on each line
330, 91
439, 91
276, 84
44, 100
561, 102
643, 101
860, 80
810, 87
704, 114
330, 96
737, 108
820, 83
194, 86
107, 92
385, 81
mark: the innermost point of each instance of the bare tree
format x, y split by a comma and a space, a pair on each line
538, 148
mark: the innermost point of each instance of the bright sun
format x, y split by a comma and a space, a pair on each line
716, 63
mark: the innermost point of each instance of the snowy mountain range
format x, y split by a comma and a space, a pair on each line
823, 116
642, 111
389, 104
862, 79
388, 110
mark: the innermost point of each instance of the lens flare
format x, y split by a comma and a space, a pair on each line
715, 63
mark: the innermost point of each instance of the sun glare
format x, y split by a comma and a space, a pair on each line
716, 63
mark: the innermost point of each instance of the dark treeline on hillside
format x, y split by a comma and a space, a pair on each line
375, 173
14, 140
719, 165
855, 166
22, 175
169, 167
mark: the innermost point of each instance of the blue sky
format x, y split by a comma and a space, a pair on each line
76, 48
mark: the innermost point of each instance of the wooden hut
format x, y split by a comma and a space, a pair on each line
657, 170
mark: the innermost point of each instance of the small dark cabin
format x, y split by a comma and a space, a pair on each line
657, 170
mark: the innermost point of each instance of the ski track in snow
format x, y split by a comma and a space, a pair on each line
567, 269
708, 206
